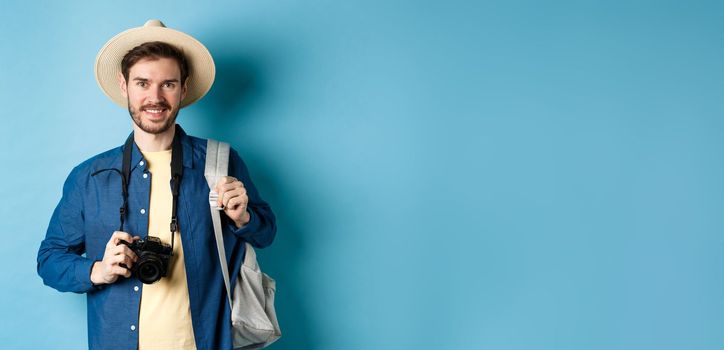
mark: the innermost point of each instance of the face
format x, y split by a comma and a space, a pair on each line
154, 93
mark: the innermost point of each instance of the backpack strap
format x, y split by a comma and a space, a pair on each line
217, 166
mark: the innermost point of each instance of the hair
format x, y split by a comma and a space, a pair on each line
154, 50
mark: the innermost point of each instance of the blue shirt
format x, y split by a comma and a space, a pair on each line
88, 214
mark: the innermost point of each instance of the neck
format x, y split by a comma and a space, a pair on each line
153, 142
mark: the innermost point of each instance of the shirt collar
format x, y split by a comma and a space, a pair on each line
137, 156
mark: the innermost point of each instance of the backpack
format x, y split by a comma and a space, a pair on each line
253, 317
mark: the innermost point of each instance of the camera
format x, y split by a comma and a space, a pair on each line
153, 259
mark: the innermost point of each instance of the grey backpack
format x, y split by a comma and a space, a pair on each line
253, 317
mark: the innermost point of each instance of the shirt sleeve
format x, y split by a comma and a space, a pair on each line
60, 261
261, 228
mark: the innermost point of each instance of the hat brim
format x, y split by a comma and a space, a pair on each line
108, 61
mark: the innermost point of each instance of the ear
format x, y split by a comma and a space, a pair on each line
122, 84
184, 89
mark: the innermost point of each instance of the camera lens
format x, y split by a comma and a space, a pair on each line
149, 269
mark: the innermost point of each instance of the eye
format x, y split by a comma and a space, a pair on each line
168, 85
141, 83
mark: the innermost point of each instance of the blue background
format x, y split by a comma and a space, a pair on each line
458, 174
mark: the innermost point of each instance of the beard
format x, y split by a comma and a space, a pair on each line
150, 127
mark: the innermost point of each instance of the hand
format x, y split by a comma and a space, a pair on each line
233, 198
108, 270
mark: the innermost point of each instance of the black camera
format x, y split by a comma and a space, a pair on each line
153, 258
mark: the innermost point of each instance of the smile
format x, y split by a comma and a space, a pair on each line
155, 112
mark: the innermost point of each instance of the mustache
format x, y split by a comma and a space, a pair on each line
156, 106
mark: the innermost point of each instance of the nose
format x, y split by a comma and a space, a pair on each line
154, 96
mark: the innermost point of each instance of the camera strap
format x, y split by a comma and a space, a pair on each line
177, 171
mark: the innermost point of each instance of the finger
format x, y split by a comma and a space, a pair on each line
113, 249
125, 251
129, 252
231, 185
119, 236
227, 194
121, 271
224, 189
221, 193
122, 259
240, 192
119, 249
232, 203
236, 202
219, 198
223, 180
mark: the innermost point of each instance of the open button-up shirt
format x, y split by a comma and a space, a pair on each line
88, 214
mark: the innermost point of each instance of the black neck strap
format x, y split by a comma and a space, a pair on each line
177, 171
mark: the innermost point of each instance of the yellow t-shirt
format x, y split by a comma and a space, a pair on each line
165, 314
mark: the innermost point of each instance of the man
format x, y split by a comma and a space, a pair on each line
154, 72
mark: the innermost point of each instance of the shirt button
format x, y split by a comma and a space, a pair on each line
135, 288
145, 176
140, 163
143, 211
133, 327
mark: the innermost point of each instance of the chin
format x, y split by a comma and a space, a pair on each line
155, 127
153, 124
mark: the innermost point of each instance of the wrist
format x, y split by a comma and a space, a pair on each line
245, 218
95, 277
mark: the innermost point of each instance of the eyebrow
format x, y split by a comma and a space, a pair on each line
165, 81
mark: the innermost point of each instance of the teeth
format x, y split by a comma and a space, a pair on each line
154, 110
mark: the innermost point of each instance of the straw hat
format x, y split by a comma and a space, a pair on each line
108, 61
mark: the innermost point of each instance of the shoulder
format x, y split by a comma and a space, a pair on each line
198, 147
105, 160
80, 175
197, 144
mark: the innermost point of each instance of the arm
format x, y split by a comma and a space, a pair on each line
60, 260
260, 229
